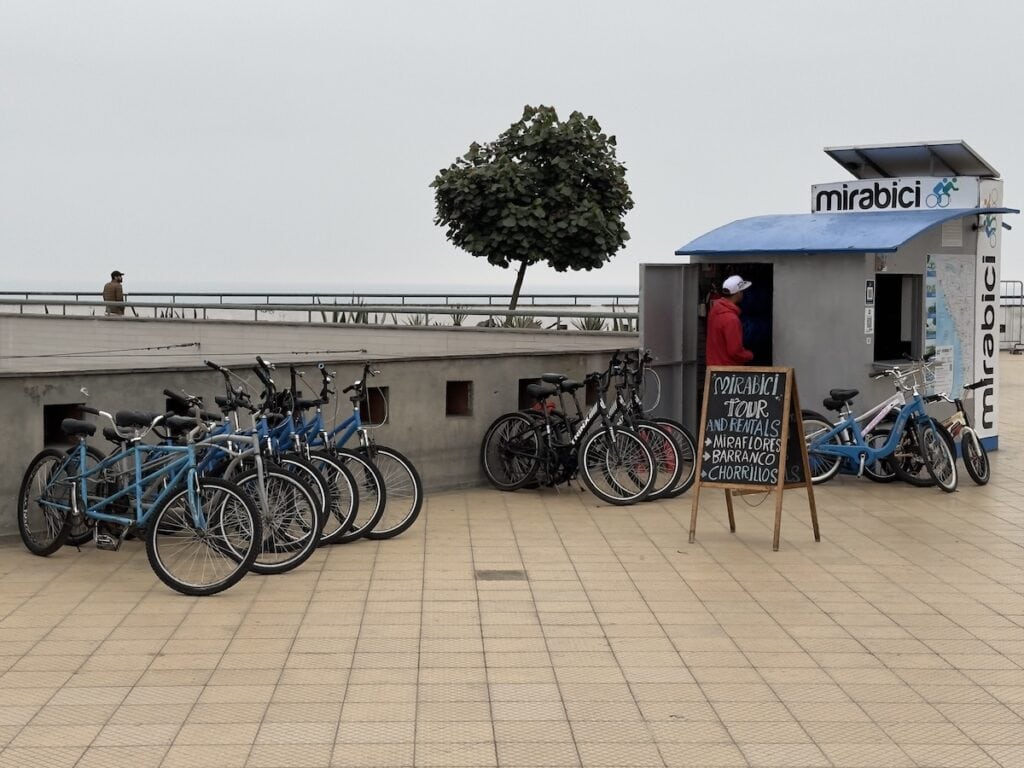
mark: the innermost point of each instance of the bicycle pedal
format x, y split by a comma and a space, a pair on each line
107, 542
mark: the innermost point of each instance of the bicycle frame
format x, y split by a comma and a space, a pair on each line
857, 450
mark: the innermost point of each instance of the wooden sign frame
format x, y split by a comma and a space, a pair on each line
790, 405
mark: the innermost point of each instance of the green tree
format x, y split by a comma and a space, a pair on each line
545, 190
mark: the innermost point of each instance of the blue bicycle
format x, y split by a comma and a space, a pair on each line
402, 489
202, 534
913, 431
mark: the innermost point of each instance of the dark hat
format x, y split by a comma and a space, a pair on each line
116, 273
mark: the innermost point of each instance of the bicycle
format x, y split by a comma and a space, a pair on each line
829, 445
289, 506
202, 533
958, 427
400, 489
613, 461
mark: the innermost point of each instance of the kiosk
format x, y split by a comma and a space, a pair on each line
901, 260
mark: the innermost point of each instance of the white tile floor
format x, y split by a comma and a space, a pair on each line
898, 640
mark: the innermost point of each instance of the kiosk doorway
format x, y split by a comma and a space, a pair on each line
898, 331
756, 315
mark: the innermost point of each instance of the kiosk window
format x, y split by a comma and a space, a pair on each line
898, 303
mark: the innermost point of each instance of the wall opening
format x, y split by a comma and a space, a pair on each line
373, 411
898, 302
458, 398
53, 415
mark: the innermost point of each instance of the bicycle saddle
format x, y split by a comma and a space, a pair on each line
78, 427
833, 404
553, 378
843, 395
540, 391
568, 385
179, 423
111, 434
134, 418
305, 405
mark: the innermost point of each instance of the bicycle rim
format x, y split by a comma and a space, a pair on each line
665, 451
201, 561
290, 519
975, 457
509, 452
824, 466
405, 493
619, 470
344, 496
938, 459
372, 494
44, 503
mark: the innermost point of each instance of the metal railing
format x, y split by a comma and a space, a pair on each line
1011, 302
538, 316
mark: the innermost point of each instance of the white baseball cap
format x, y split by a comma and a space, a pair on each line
735, 284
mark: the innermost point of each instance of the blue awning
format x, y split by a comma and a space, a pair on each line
861, 232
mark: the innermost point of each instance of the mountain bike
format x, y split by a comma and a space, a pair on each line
613, 461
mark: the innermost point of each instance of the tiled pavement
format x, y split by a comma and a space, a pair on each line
896, 641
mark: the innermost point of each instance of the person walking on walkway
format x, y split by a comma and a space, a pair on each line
113, 291
725, 332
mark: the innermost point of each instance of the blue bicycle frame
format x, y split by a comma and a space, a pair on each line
857, 450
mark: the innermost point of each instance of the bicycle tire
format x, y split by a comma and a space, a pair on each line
344, 496
229, 544
405, 492
304, 469
907, 462
823, 466
44, 526
880, 471
666, 452
511, 450
938, 459
687, 444
975, 457
291, 520
373, 495
619, 470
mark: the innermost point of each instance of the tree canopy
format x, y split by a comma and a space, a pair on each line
545, 190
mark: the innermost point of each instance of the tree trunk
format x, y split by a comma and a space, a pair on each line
519, 284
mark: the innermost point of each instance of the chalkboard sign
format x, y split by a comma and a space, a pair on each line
742, 423
751, 439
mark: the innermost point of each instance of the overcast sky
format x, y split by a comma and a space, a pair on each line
291, 144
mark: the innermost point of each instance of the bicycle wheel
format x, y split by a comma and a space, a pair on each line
975, 457
312, 477
907, 461
201, 561
938, 459
44, 502
880, 471
687, 445
289, 516
344, 496
373, 495
666, 456
824, 466
510, 453
80, 531
619, 470
405, 492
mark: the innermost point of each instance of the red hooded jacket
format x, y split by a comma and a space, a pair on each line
725, 335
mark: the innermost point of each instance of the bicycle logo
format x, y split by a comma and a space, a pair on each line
940, 197
988, 221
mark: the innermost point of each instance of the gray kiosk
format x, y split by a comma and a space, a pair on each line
902, 259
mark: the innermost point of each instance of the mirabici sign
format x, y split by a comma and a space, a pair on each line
904, 194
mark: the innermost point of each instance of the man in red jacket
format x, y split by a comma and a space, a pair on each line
725, 332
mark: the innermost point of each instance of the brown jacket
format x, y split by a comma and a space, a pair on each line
113, 291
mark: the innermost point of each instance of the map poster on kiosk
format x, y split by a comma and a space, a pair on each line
949, 321
751, 440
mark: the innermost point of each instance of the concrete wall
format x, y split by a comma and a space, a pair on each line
444, 448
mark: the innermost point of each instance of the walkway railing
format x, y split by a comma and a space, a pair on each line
567, 316
1011, 294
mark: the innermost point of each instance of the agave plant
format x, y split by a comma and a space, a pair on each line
588, 324
521, 321
458, 318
